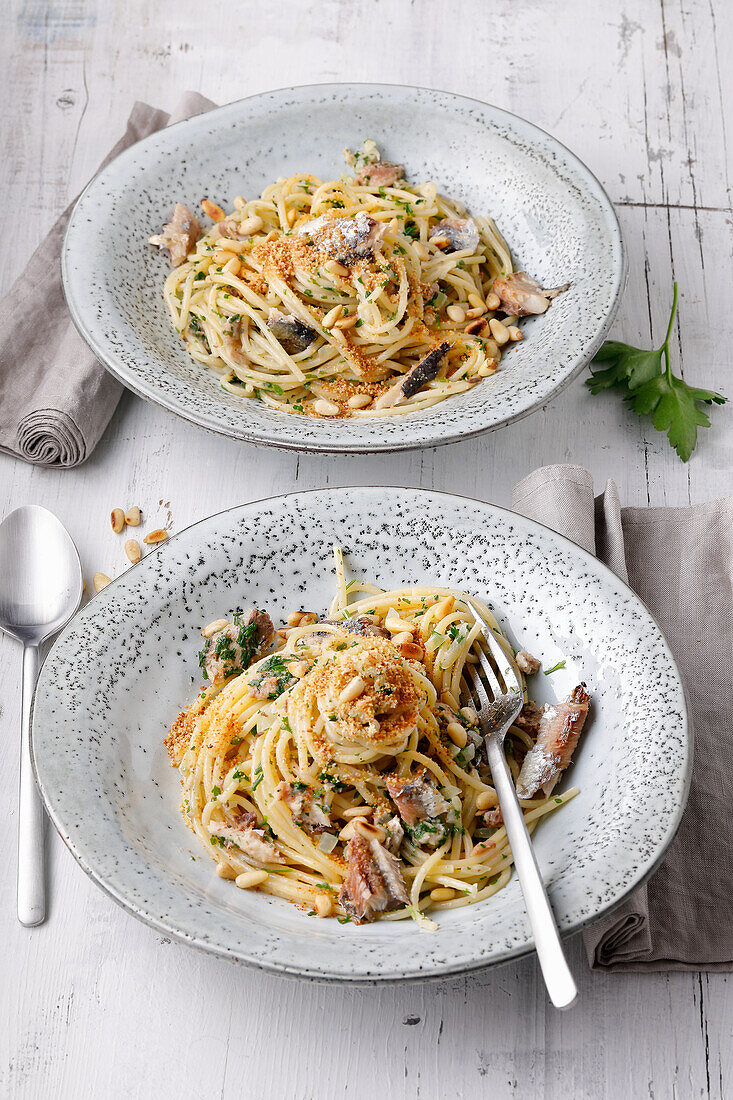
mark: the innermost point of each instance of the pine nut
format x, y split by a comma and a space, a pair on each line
291, 216
117, 519
250, 225
239, 202
348, 830
332, 316
421, 251
323, 905
404, 636
352, 691
411, 652
227, 244
499, 331
457, 314
223, 870
476, 327
339, 335
248, 879
457, 734
477, 303
472, 314
233, 266
448, 698
215, 212
485, 801
308, 617
297, 669
470, 715
325, 408
153, 537
359, 401
493, 301
294, 618
395, 624
336, 268
367, 830
221, 257
133, 551
357, 811
214, 628
347, 322
133, 516
100, 581
442, 893
515, 333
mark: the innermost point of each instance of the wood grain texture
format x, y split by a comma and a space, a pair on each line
94, 1004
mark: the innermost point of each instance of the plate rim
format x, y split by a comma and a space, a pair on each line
437, 972
259, 437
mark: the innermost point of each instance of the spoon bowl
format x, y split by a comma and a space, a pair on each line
40, 589
40, 575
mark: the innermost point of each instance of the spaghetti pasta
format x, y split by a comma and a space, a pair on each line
343, 763
347, 297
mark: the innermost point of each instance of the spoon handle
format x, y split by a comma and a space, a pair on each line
31, 820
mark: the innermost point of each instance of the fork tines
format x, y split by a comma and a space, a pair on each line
499, 675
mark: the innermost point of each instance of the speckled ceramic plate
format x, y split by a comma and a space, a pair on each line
119, 674
555, 215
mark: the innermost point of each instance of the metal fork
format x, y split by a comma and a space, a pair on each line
497, 706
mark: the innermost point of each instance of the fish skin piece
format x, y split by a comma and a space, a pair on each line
306, 812
373, 883
253, 842
220, 666
561, 725
289, 331
459, 233
415, 797
381, 174
417, 377
360, 625
179, 235
424, 371
521, 296
345, 240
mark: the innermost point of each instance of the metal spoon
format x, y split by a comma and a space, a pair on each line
40, 589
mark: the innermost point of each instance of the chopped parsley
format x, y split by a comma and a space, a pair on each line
555, 668
334, 783
274, 668
258, 777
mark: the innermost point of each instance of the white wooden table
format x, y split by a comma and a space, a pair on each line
95, 1004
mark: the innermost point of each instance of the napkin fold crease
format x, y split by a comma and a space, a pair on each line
680, 562
56, 399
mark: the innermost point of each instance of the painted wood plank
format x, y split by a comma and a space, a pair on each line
93, 1003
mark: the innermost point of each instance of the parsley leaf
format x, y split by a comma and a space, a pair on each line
646, 380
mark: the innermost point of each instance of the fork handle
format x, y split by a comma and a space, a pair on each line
31, 818
555, 970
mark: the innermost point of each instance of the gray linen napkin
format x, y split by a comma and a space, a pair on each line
56, 399
680, 561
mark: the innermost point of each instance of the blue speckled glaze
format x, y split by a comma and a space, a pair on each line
557, 219
119, 674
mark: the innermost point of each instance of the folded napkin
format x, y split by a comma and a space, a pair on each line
56, 399
680, 561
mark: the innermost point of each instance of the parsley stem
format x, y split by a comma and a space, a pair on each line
665, 345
